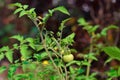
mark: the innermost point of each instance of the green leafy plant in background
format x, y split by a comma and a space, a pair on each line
114, 54
51, 58
95, 48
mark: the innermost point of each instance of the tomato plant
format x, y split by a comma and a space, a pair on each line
50, 57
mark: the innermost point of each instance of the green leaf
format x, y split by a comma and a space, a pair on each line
12, 70
39, 47
82, 21
25, 52
25, 6
18, 10
31, 13
108, 60
86, 63
18, 37
16, 46
16, 4
32, 10
104, 31
94, 28
20, 76
2, 69
41, 56
28, 66
4, 48
1, 56
112, 73
9, 55
63, 23
119, 71
113, 52
50, 12
22, 13
62, 9
92, 56
32, 45
72, 71
73, 62
30, 40
68, 39
48, 40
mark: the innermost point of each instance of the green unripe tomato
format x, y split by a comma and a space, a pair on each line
67, 58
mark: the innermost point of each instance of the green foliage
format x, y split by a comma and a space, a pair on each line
113, 52
69, 39
23, 10
18, 37
112, 73
86, 26
104, 31
62, 9
2, 69
43, 59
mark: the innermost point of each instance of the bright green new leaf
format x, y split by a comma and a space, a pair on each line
16, 46
82, 21
32, 10
32, 45
4, 48
2, 69
1, 56
94, 28
113, 52
62, 9
30, 40
22, 13
104, 32
50, 12
18, 10
18, 37
25, 52
9, 55
25, 6
17, 4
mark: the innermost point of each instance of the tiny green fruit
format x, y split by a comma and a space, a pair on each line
67, 58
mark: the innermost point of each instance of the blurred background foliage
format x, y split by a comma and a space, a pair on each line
100, 12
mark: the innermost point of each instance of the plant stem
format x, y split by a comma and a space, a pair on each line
89, 60
66, 76
46, 49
